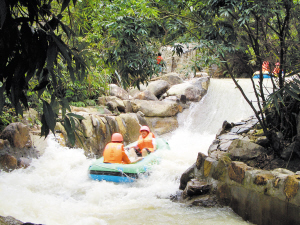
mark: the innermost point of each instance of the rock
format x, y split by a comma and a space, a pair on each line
228, 136
236, 171
4, 144
118, 103
155, 108
198, 82
217, 154
17, 134
162, 125
224, 194
191, 92
195, 187
262, 178
128, 108
183, 99
133, 91
206, 201
291, 186
205, 81
8, 162
212, 148
102, 100
224, 145
87, 127
132, 127
245, 150
187, 176
145, 95
220, 170
200, 160
208, 164
158, 87
263, 141
172, 78
227, 126
112, 106
9, 220
117, 91
201, 74
171, 99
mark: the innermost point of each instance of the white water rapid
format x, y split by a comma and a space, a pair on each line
56, 189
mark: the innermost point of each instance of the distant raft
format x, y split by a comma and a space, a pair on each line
266, 74
127, 173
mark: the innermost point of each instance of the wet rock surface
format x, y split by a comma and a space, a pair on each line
242, 174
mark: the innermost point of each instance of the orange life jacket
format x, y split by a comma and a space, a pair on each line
146, 142
265, 67
159, 59
115, 153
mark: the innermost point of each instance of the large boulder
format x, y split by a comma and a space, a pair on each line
134, 90
132, 125
202, 83
117, 91
158, 87
162, 125
155, 108
87, 126
172, 78
192, 92
17, 134
8, 162
16, 147
145, 95
117, 102
244, 150
8, 220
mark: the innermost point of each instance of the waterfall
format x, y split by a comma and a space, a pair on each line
56, 189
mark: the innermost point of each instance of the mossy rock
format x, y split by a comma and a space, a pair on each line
259, 132
291, 186
220, 170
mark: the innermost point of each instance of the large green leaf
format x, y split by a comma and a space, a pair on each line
70, 130
50, 117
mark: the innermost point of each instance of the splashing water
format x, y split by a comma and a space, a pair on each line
56, 189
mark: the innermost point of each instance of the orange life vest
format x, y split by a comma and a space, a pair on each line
115, 153
146, 142
265, 67
159, 59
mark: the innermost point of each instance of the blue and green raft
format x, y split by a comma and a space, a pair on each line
126, 173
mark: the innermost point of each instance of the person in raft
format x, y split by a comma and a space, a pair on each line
145, 144
114, 151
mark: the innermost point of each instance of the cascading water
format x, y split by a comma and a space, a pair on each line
56, 190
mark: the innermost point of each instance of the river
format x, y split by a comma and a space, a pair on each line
56, 190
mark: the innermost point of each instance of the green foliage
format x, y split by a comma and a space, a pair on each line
238, 36
32, 48
130, 51
8, 116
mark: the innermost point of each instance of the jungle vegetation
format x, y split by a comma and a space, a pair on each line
57, 53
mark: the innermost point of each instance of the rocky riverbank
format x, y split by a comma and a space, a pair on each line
239, 172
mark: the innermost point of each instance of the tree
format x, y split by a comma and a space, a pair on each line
33, 56
248, 33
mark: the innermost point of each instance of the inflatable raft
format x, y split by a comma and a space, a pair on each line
256, 75
127, 173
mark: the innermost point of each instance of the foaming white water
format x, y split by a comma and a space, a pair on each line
56, 189
200, 123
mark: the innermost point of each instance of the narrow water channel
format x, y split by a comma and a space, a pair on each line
56, 189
